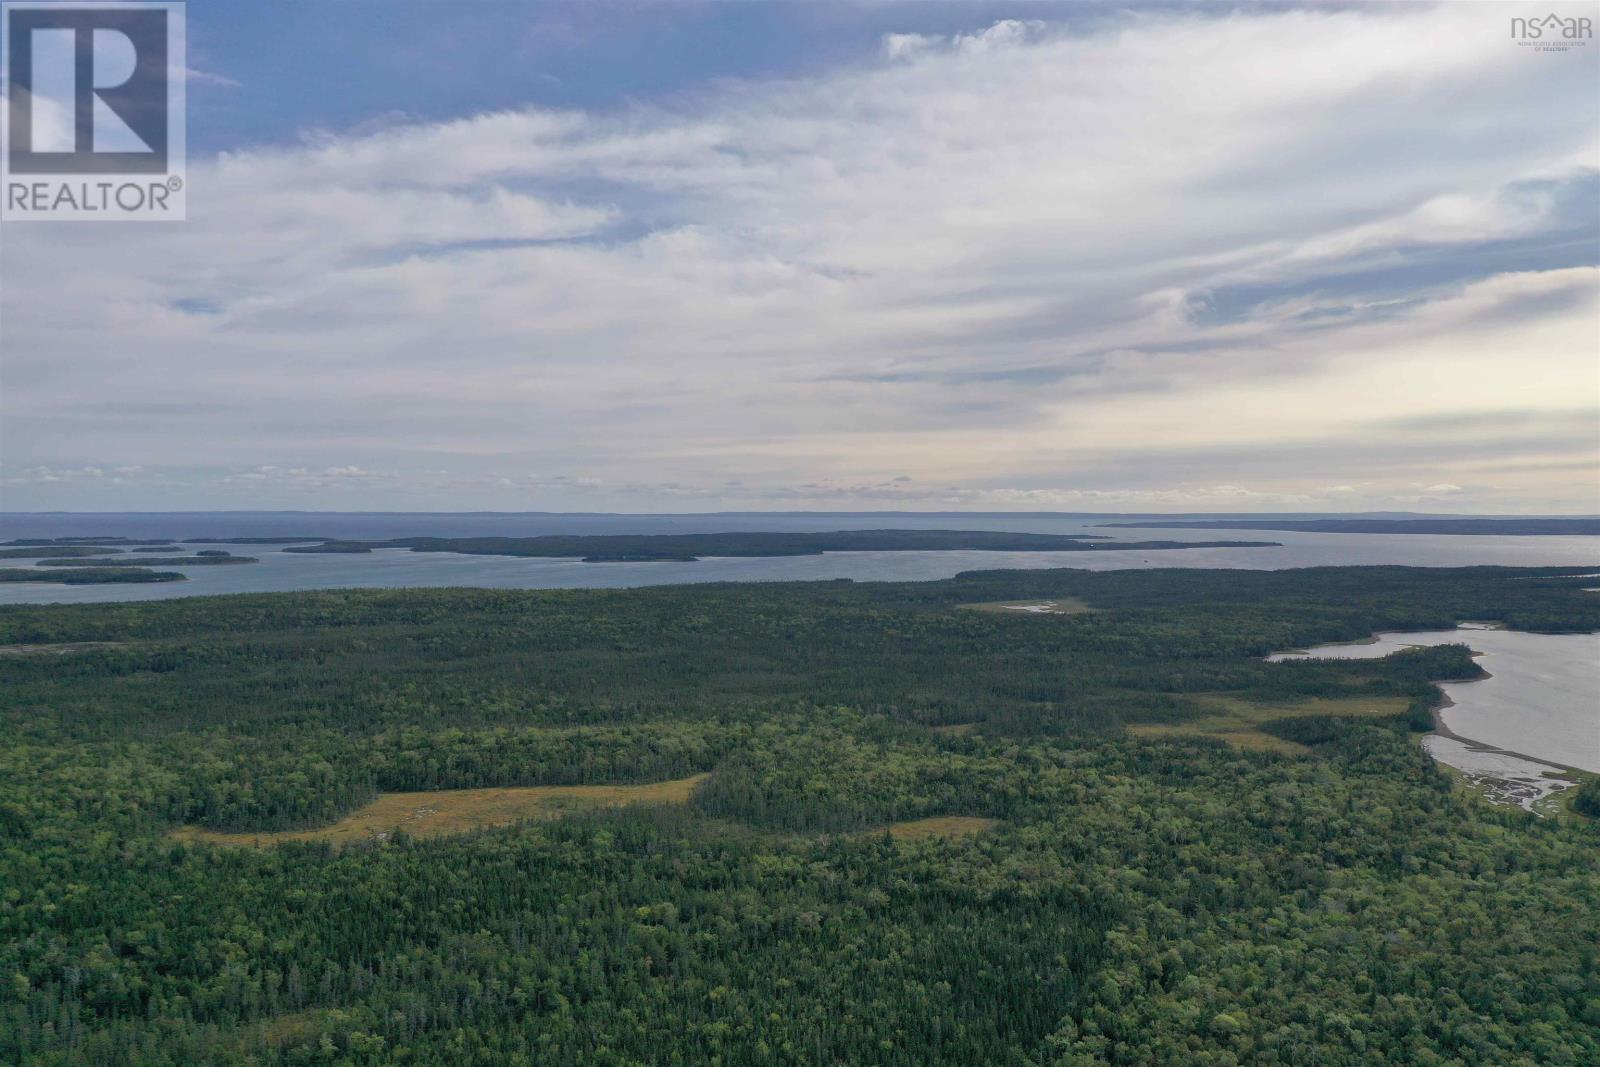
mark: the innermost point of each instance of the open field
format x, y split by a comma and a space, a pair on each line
455, 811
61, 649
1238, 721
1059, 606
940, 826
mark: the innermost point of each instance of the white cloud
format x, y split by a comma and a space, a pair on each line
206, 77
1092, 265
1005, 34
906, 45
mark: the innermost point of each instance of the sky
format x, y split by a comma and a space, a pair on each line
756, 256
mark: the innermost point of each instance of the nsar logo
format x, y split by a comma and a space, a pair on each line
1552, 33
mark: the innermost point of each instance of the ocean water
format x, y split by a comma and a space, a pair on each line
392, 568
1541, 699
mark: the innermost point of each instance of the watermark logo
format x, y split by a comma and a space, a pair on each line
1552, 32
95, 121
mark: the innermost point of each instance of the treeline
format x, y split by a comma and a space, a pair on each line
1587, 799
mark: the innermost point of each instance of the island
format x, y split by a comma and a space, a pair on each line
1470, 527
58, 550
89, 575
199, 560
678, 548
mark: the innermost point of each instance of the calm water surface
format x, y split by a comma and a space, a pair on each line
391, 568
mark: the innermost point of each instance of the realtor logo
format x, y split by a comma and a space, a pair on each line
95, 111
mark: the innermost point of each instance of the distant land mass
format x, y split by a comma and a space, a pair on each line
337, 547
58, 550
88, 575
201, 560
251, 540
29, 542
659, 548
1478, 527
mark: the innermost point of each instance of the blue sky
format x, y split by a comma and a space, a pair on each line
339, 64
678, 256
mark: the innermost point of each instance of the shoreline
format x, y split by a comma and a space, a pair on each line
1530, 786
1441, 729
1498, 789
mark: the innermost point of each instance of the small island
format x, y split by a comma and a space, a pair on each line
90, 575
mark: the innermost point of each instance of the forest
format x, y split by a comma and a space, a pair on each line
1125, 888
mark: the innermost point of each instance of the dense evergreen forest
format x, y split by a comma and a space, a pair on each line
1139, 899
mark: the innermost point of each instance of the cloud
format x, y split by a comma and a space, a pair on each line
906, 45
999, 37
1165, 254
205, 77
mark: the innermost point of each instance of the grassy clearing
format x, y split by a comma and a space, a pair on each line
60, 649
1060, 606
957, 729
279, 1030
455, 811
941, 826
1238, 721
